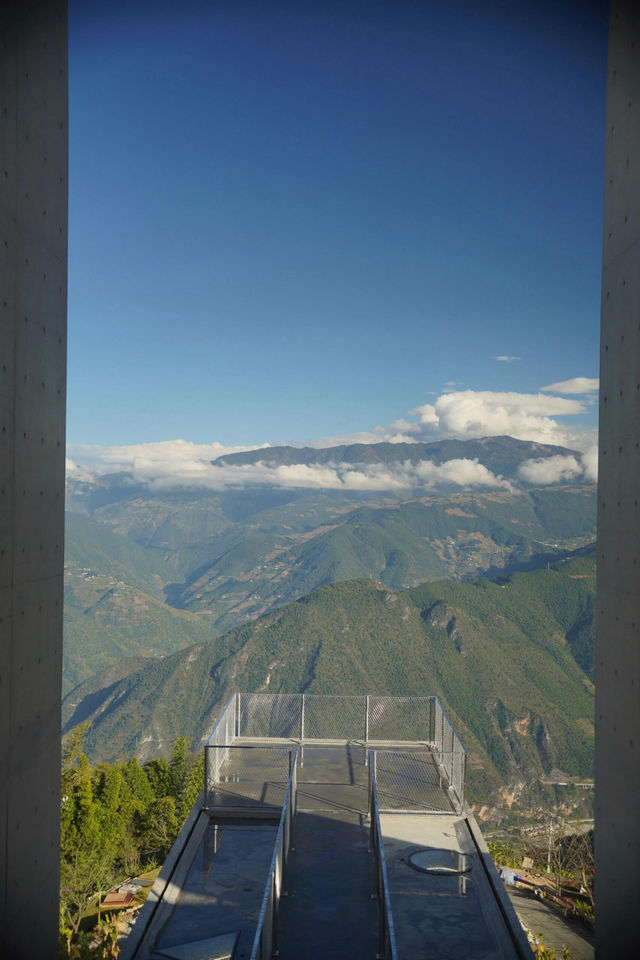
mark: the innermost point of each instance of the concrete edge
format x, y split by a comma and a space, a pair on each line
507, 910
130, 946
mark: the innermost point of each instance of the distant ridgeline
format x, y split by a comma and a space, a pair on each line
176, 595
501, 455
153, 568
511, 658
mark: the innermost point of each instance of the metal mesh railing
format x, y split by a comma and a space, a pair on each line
309, 716
222, 734
372, 718
411, 781
238, 776
328, 717
264, 943
277, 715
399, 718
450, 750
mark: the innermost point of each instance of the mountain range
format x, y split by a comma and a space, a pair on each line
175, 595
511, 658
501, 455
151, 569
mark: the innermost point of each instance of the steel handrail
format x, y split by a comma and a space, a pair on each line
265, 936
387, 930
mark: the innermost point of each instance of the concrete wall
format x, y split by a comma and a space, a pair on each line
33, 288
617, 768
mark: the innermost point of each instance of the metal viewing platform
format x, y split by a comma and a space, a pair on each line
329, 826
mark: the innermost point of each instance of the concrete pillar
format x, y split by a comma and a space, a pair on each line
617, 770
33, 294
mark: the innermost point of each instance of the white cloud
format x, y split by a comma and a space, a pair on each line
464, 414
147, 460
560, 469
504, 358
579, 385
549, 469
76, 472
359, 477
463, 473
483, 413
590, 463
176, 463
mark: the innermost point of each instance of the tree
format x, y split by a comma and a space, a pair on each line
191, 790
84, 872
159, 776
159, 827
86, 865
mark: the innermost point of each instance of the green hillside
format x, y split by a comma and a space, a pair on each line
458, 536
502, 655
141, 561
113, 604
94, 546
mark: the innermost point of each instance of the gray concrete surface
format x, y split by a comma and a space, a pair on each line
33, 288
329, 911
223, 889
328, 907
451, 916
545, 921
617, 766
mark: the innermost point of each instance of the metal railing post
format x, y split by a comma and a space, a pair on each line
366, 719
237, 724
302, 719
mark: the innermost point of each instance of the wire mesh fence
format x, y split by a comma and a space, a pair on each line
368, 718
450, 750
239, 776
328, 717
399, 718
277, 715
411, 781
309, 716
222, 734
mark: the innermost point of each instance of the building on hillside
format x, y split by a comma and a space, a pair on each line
329, 826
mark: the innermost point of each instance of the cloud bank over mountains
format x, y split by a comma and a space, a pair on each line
178, 464
469, 414
462, 414
560, 469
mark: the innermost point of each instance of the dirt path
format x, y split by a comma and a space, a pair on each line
555, 930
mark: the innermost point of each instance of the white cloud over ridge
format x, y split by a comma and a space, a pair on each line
188, 459
470, 414
463, 414
172, 464
505, 358
330, 476
549, 469
558, 469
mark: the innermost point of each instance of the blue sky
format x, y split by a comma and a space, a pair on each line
294, 221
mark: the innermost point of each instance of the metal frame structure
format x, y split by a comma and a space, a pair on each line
369, 719
264, 944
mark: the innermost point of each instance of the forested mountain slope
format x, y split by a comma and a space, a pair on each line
510, 659
146, 574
